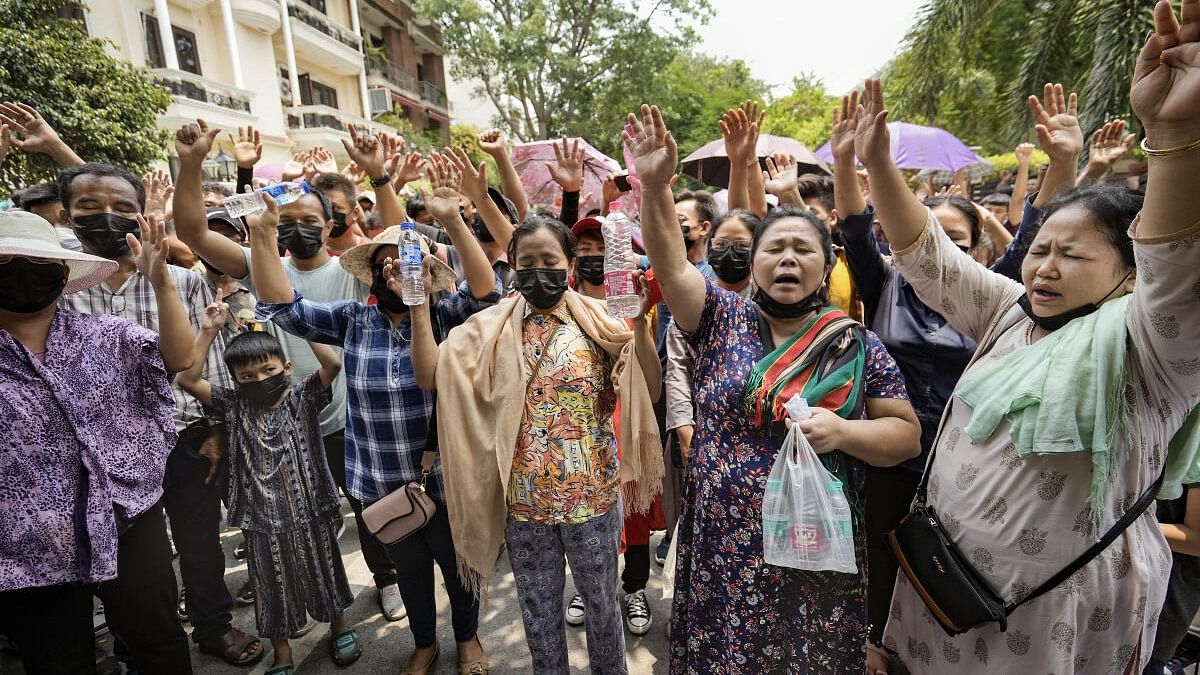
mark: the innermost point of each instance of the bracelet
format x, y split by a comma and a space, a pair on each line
1151, 152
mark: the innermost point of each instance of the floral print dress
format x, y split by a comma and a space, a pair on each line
732, 612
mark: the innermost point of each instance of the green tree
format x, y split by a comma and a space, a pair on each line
805, 114
969, 65
464, 136
422, 141
693, 93
105, 109
551, 66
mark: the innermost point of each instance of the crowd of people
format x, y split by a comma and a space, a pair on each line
1020, 370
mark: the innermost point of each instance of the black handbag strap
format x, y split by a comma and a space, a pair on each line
1139, 507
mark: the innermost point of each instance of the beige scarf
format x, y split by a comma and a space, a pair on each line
482, 380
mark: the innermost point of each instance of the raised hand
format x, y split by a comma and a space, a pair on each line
193, 142
567, 167
5, 141
1166, 80
654, 151
445, 181
247, 149
151, 250
781, 176
493, 142
409, 170
365, 150
30, 131
609, 191
354, 173
472, 182
323, 160
741, 135
158, 188
215, 314
1057, 124
845, 121
872, 141
1109, 143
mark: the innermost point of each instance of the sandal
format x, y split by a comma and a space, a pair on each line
479, 667
344, 648
284, 669
232, 647
412, 667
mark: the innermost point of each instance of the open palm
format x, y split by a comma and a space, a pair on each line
654, 152
1056, 119
872, 141
841, 140
1166, 81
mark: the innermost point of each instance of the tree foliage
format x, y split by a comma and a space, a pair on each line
550, 66
805, 114
969, 65
693, 93
105, 109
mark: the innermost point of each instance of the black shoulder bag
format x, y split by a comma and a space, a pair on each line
955, 593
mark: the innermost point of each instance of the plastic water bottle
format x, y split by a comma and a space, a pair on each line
249, 203
619, 289
412, 285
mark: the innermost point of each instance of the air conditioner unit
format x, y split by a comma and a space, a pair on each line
381, 100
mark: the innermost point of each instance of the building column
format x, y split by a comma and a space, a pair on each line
289, 49
232, 44
362, 69
166, 36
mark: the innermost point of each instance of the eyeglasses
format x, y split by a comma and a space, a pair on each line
741, 245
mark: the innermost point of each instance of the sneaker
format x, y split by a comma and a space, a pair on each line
576, 611
245, 595
99, 622
662, 550
181, 609
637, 613
239, 551
391, 603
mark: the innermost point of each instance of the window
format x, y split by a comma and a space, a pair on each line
185, 47
318, 5
315, 93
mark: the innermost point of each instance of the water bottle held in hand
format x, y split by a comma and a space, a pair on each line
412, 283
249, 203
620, 291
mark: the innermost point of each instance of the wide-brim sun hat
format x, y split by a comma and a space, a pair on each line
357, 261
28, 235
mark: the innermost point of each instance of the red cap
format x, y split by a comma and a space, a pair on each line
586, 225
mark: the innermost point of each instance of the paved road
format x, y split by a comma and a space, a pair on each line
387, 645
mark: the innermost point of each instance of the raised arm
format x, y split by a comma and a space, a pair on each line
848, 197
331, 365
474, 185
247, 151
567, 171
30, 132
193, 142
740, 132
1109, 144
1016, 205
367, 151
866, 263
174, 332
780, 179
192, 380
655, 156
271, 283
1166, 97
901, 214
446, 175
494, 143
1059, 134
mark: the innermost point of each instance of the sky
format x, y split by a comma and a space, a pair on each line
841, 41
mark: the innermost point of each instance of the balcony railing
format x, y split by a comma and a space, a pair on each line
430, 92
325, 117
310, 16
394, 74
182, 84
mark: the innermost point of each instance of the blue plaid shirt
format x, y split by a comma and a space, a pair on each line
388, 415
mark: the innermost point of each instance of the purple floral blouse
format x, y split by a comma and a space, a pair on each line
84, 438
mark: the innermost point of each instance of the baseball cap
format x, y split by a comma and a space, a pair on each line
221, 215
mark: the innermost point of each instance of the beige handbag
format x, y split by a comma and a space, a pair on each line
404, 511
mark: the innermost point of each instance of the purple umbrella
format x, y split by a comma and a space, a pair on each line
710, 164
918, 147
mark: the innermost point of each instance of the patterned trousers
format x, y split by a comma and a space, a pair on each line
536, 552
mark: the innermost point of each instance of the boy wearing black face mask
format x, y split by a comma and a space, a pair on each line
280, 491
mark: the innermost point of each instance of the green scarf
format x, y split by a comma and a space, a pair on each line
1066, 393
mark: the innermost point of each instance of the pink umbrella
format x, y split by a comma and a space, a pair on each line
710, 164
269, 171
530, 161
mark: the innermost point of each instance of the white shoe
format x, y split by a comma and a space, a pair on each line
637, 613
391, 603
576, 611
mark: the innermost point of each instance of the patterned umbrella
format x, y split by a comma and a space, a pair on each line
918, 147
710, 164
530, 161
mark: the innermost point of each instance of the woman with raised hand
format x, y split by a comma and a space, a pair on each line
1068, 413
732, 612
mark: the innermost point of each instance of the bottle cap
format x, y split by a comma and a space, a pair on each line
408, 225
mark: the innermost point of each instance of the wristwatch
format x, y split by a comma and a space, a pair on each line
381, 181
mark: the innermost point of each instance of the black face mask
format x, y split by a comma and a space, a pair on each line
384, 295
730, 264
779, 310
590, 268
339, 225
542, 287
1053, 323
265, 393
104, 233
304, 241
27, 287
688, 242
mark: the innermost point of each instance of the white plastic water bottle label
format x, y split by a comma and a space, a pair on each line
797, 408
619, 282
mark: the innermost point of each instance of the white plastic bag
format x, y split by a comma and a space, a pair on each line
669, 565
806, 518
